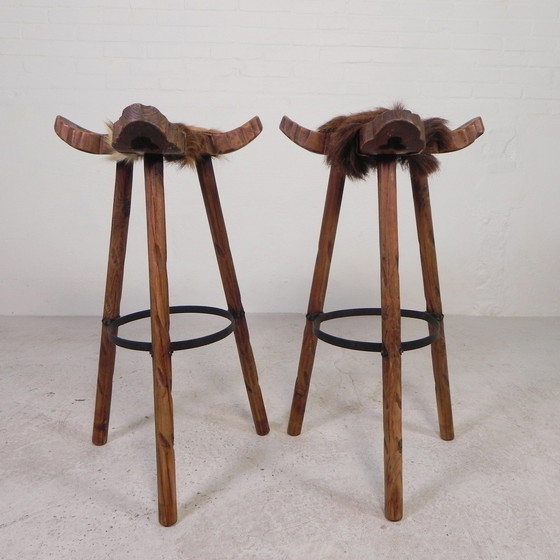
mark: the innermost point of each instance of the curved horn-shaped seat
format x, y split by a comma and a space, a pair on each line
144, 129
316, 142
233, 140
81, 138
311, 140
465, 135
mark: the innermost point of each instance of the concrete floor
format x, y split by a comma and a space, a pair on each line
492, 493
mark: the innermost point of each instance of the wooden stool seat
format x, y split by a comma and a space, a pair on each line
143, 132
354, 145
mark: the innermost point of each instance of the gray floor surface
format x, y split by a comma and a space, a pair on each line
492, 493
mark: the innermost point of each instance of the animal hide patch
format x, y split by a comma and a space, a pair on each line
196, 146
343, 148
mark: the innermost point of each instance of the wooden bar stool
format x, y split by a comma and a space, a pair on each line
355, 145
143, 132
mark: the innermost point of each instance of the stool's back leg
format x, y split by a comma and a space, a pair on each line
161, 344
391, 338
327, 237
232, 293
113, 293
430, 276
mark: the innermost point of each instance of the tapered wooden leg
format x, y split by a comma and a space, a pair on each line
161, 344
317, 297
430, 276
232, 293
111, 307
391, 339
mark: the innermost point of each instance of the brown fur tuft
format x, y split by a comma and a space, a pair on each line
344, 150
196, 146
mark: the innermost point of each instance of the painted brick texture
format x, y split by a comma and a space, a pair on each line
217, 63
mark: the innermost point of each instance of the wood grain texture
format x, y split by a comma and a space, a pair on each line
230, 284
393, 133
428, 259
113, 293
161, 343
391, 338
233, 140
465, 135
310, 140
143, 129
317, 295
81, 138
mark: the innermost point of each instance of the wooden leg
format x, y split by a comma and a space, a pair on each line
430, 276
317, 297
231, 289
391, 339
111, 307
161, 344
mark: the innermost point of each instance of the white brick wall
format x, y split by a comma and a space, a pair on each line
217, 63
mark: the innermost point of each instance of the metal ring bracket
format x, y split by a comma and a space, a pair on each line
431, 319
114, 325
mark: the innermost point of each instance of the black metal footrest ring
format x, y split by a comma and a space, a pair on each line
114, 325
430, 318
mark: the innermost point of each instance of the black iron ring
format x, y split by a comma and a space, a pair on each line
114, 325
430, 318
